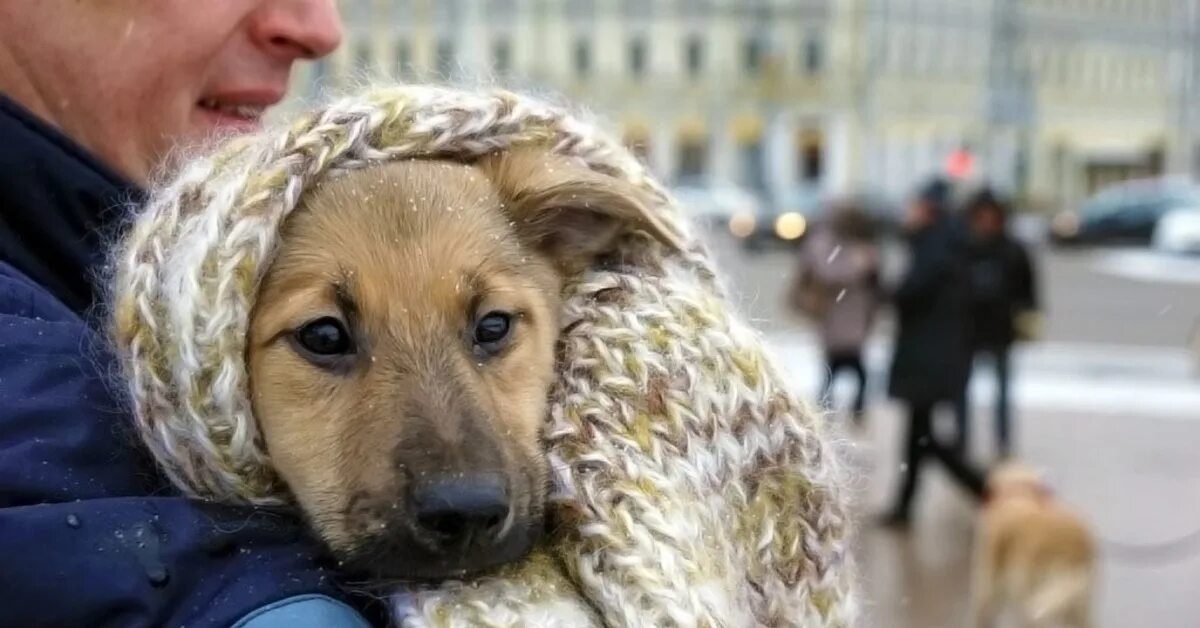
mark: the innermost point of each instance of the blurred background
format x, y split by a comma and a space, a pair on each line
762, 114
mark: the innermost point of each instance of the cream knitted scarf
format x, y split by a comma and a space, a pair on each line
695, 490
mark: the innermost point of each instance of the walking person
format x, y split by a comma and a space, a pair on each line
1002, 304
929, 364
837, 286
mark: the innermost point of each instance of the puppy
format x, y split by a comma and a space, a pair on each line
403, 345
1033, 557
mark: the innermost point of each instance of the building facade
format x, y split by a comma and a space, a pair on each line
1057, 98
788, 98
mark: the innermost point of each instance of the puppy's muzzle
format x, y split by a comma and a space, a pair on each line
466, 503
462, 512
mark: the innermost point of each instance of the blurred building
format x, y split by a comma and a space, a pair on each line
1055, 97
789, 98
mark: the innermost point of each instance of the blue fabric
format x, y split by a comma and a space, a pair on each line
304, 611
56, 203
90, 533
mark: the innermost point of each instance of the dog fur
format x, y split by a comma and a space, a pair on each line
407, 257
1033, 557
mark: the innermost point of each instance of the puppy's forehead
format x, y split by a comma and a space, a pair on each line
406, 198
1015, 474
430, 231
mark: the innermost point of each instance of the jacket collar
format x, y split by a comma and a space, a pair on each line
57, 202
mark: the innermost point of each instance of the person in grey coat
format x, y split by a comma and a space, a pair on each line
838, 287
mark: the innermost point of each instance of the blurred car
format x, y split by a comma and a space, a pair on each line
1179, 231
786, 221
1126, 213
720, 206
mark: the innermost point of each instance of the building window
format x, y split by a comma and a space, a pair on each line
694, 50
502, 57
445, 58
583, 58
809, 158
753, 172
693, 160
402, 55
752, 55
814, 54
637, 57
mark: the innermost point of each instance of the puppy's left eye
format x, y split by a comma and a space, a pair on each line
492, 330
325, 337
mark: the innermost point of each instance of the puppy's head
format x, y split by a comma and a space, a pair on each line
402, 348
1015, 479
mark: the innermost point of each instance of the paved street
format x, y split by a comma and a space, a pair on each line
1108, 404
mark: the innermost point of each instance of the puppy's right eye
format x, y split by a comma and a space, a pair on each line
325, 337
492, 331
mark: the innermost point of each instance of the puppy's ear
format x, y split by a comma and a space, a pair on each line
566, 210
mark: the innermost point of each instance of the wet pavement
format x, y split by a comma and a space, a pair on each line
1135, 480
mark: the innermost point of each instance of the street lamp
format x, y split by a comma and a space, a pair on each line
1010, 97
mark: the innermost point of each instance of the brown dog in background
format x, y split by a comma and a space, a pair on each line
1033, 557
403, 346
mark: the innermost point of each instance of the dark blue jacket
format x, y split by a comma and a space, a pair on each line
90, 534
930, 358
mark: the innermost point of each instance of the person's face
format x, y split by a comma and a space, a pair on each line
918, 215
129, 79
987, 224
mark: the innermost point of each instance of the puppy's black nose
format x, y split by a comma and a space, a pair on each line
464, 509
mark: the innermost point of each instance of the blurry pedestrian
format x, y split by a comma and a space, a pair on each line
929, 364
837, 286
1002, 303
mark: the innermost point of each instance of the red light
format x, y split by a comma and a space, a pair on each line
959, 164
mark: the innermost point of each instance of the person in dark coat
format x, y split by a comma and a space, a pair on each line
929, 362
91, 534
1002, 303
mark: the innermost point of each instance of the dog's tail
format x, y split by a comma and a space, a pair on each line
1063, 588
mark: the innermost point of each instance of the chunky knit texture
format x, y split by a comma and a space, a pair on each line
695, 489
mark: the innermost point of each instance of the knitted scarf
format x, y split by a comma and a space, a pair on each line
693, 488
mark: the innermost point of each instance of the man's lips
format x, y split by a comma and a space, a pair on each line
245, 107
237, 110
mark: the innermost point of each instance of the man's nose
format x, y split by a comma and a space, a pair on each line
297, 29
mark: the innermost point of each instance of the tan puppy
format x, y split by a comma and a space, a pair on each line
1033, 557
403, 347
